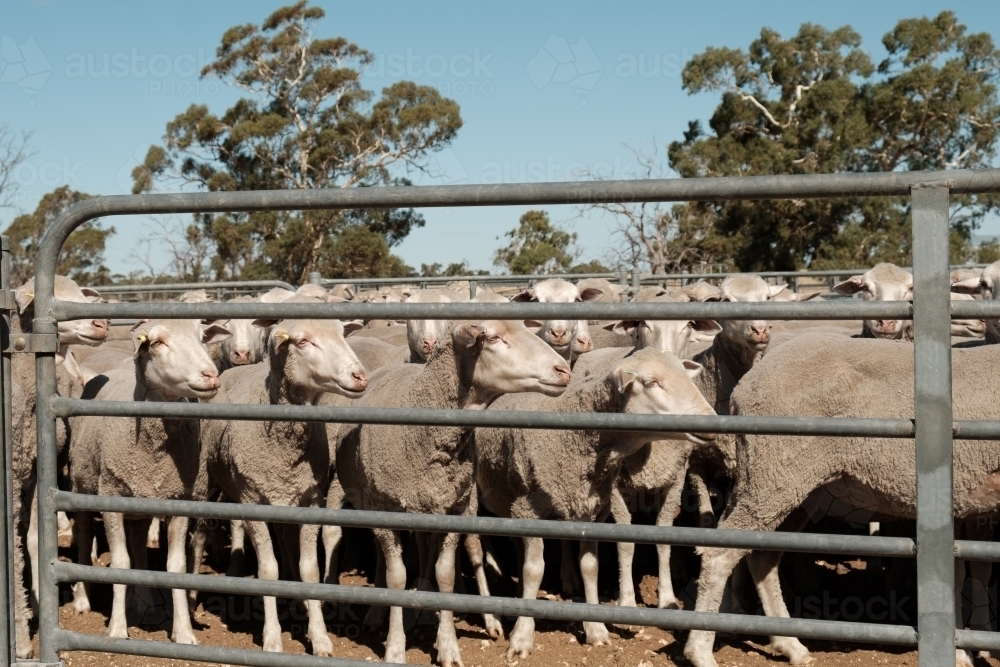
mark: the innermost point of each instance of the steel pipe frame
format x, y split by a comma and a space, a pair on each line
480, 525
935, 638
183, 287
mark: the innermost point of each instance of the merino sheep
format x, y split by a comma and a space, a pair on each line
987, 286
196, 296
244, 346
145, 457
423, 335
883, 282
822, 375
430, 469
276, 295
564, 336
279, 463
569, 475
23, 435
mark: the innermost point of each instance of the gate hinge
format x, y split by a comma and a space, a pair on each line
7, 300
26, 342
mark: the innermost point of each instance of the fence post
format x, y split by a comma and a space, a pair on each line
8, 525
933, 410
315, 278
623, 277
636, 281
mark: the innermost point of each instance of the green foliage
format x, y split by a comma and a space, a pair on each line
815, 103
304, 123
988, 252
593, 266
358, 252
81, 257
536, 246
435, 270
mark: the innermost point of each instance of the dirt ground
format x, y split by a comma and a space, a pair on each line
816, 586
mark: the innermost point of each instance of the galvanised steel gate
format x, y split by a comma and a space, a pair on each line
932, 429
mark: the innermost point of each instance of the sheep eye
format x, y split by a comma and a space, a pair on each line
651, 383
493, 339
302, 343
155, 343
690, 325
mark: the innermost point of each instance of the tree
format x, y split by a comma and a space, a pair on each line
593, 266
652, 235
454, 269
537, 246
358, 252
81, 257
13, 152
815, 103
305, 123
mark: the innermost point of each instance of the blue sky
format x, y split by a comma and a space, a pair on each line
527, 118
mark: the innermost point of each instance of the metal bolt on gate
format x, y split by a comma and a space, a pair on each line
935, 547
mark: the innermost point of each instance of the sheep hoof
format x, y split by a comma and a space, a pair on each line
185, 638
272, 644
395, 654
118, 632
701, 660
522, 641
321, 645
493, 627
597, 634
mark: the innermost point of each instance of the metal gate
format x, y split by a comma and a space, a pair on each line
933, 429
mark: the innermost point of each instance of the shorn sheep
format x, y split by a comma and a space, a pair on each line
827, 375
147, 457
569, 475
430, 469
284, 463
23, 435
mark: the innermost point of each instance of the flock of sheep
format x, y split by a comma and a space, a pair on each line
638, 367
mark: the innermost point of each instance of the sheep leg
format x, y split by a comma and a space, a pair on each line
571, 584
22, 610
671, 507
716, 566
236, 549
332, 535
309, 571
83, 536
32, 544
153, 534
181, 633
395, 578
63, 522
597, 633
764, 570
626, 551
114, 526
522, 637
375, 618
474, 549
979, 529
267, 568
447, 641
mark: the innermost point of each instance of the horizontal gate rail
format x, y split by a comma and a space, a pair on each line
902, 547
184, 287
572, 611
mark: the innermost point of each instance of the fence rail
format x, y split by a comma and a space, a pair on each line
935, 547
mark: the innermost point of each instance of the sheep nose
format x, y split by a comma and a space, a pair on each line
360, 379
707, 436
211, 378
886, 324
427, 345
558, 335
583, 344
100, 327
241, 356
759, 333
562, 372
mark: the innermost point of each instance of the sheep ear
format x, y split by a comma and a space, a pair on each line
466, 335
138, 324
809, 297
623, 326
140, 343
706, 326
692, 368
525, 295
352, 326
214, 333
264, 323
93, 296
776, 289
850, 286
591, 294
624, 379
25, 296
534, 326
967, 286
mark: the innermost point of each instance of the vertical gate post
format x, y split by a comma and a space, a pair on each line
933, 410
9, 521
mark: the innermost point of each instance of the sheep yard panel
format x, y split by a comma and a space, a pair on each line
933, 427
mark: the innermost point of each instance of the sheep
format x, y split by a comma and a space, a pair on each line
276, 295
430, 469
569, 475
278, 463
196, 296
145, 457
565, 337
23, 435
823, 375
611, 293
345, 291
888, 282
423, 335
375, 353
244, 346
986, 286
486, 295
